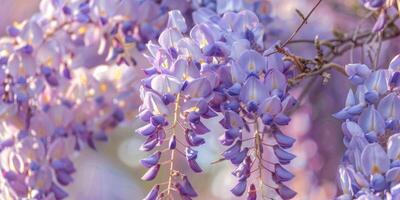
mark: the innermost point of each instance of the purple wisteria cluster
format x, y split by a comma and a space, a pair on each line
217, 68
61, 89
66, 80
371, 127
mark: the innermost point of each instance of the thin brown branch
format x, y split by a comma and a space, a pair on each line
305, 19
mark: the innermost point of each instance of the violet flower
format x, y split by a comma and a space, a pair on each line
369, 168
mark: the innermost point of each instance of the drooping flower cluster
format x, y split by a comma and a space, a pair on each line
60, 81
175, 99
55, 88
217, 68
371, 130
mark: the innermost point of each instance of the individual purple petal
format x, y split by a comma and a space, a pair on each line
188, 49
232, 120
233, 150
275, 82
345, 180
145, 115
198, 88
150, 71
252, 106
355, 110
226, 140
146, 130
199, 128
252, 193
238, 47
395, 80
245, 19
13, 31
194, 166
395, 63
380, 22
166, 84
271, 105
378, 81
162, 60
185, 188
374, 159
210, 113
169, 38
393, 147
371, 97
151, 173
176, 20
281, 174
158, 120
371, 121
281, 119
389, 106
267, 119
395, 191
342, 115
288, 103
237, 73
63, 178
191, 154
378, 182
152, 195
239, 157
234, 90
283, 140
393, 175
350, 99
218, 49
253, 90
151, 160
252, 62
153, 103
172, 142
232, 133
243, 170
285, 193
192, 139
283, 156
58, 192
373, 4
150, 143
351, 129
183, 70
202, 34
193, 117
240, 188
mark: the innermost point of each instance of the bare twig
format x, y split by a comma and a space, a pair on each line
305, 19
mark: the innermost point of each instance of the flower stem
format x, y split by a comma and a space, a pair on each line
174, 124
258, 143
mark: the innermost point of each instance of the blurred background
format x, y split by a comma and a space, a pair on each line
113, 171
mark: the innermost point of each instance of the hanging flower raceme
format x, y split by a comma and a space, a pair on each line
254, 102
36, 165
371, 129
176, 95
55, 88
73, 57
218, 69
